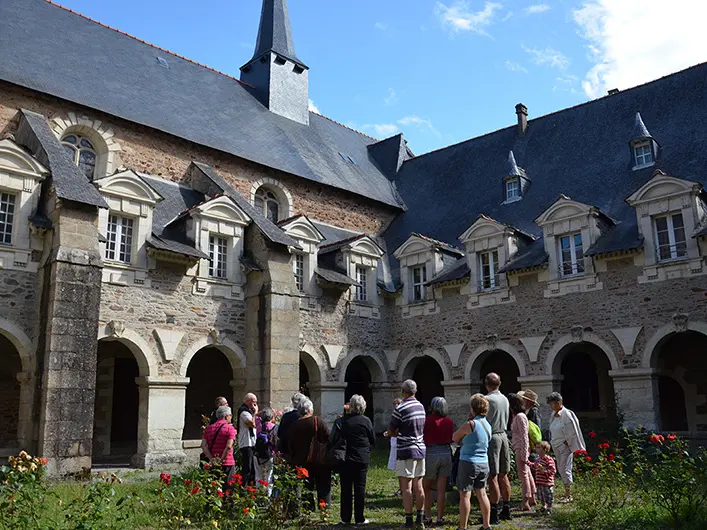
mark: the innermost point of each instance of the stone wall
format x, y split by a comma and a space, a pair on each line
18, 299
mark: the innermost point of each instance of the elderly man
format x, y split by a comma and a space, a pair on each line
247, 436
286, 422
499, 453
220, 402
408, 424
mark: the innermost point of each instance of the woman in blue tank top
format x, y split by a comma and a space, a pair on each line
474, 436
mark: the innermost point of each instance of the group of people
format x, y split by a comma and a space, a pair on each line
421, 451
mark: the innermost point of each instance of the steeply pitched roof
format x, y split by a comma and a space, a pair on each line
640, 130
581, 152
275, 33
69, 182
512, 169
74, 58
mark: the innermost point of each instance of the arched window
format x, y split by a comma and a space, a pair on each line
267, 203
82, 153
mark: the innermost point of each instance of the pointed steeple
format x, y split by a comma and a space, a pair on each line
640, 131
275, 74
275, 32
512, 169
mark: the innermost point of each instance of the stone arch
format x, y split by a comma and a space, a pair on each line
553, 356
314, 361
404, 371
144, 355
100, 134
374, 363
283, 195
478, 355
20, 340
229, 348
651, 348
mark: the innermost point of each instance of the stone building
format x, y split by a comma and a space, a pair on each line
169, 233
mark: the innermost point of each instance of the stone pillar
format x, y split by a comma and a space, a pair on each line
67, 338
457, 392
383, 396
542, 385
239, 391
637, 397
25, 425
161, 421
328, 399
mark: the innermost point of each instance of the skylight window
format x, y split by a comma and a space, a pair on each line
162, 62
349, 159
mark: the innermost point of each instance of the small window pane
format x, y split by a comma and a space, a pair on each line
298, 266
85, 143
87, 163
362, 287
7, 217
218, 257
71, 139
120, 239
273, 212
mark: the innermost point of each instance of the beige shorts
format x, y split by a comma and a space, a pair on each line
410, 468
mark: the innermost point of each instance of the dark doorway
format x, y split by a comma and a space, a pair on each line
586, 384
126, 402
210, 375
304, 378
500, 362
673, 413
429, 376
358, 381
10, 366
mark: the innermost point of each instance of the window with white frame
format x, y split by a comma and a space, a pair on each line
488, 268
571, 254
82, 153
119, 246
419, 278
266, 202
670, 237
362, 287
7, 217
298, 269
218, 257
512, 189
643, 154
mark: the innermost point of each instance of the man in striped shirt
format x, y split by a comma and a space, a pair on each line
408, 423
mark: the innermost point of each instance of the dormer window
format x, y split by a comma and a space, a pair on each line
488, 267
298, 268
218, 257
571, 254
670, 237
7, 217
266, 202
119, 246
419, 279
643, 154
82, 153
362, 287
512, 189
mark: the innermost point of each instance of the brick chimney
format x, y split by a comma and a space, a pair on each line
522, 113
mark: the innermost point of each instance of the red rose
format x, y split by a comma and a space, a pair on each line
239, 479
195, 490
671, 437
611, 458
592, 434
263, 483
661, 439
302, 472
220, 493
322, 504
588, 458
187, 482
246, 511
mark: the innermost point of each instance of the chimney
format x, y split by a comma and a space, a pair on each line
613, 91
522, 112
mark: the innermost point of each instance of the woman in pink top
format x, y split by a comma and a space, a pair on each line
218, 440
521, 447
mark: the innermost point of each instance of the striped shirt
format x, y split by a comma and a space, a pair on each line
544, 471
409, 420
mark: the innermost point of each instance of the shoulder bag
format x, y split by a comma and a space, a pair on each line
317, 455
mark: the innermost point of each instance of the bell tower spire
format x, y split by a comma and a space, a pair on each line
279, 78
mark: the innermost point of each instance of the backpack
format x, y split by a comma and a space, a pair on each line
535, 436
264, 446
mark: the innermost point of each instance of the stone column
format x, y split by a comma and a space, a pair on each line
637, 397
383, 396
457, 392
161, 421
67, 338
328, 399
542, 385
25, 425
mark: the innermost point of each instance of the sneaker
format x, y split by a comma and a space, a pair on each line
363, 523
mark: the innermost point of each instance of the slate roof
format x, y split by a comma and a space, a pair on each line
640, 130
74, 58
454, 271
333, 234
69, 182
334, 276
275, 33
582, 152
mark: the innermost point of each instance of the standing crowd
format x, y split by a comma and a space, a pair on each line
421, 452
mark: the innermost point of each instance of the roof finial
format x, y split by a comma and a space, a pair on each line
640, 131
275, 33
512, 169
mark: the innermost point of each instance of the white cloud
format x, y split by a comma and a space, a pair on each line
537, 8
383, 130
515, 67
508, 15
391, 98
381, 26
420, 123
634, 42
313, 107
460, 17
548, 57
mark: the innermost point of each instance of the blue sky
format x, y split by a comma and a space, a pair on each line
439, 71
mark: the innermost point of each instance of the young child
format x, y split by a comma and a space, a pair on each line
544, 468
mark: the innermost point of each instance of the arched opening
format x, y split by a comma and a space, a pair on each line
210, 374
500, 362
358, 381
115, 427
267, 203
304, 378
428, 375
586, 387
682, 384
10, 366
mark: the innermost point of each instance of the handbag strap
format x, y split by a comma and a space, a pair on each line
211, 445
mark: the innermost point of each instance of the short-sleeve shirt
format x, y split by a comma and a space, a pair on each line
409, 420
438, 432
226, 432
246, 435
499, 412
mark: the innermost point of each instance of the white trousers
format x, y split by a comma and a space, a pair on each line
565, 460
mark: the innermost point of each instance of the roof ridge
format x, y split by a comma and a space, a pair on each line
543, 116
155, 46
342, 125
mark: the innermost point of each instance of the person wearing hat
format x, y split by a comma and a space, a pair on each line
532, 407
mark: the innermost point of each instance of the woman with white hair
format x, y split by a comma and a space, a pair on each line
357, 431
438, 461
566, 438
218, 441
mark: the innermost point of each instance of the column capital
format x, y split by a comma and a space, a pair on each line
328, 386
384, 386
24, 377
457, 383
528, 380
634, 373
163, 382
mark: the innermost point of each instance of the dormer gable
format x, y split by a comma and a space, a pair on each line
418, 243
221, 208
301, 228
644, 148
128, 185
14, 159
662, 187
565, 209
365, 246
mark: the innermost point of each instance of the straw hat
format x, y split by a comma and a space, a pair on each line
529, 395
